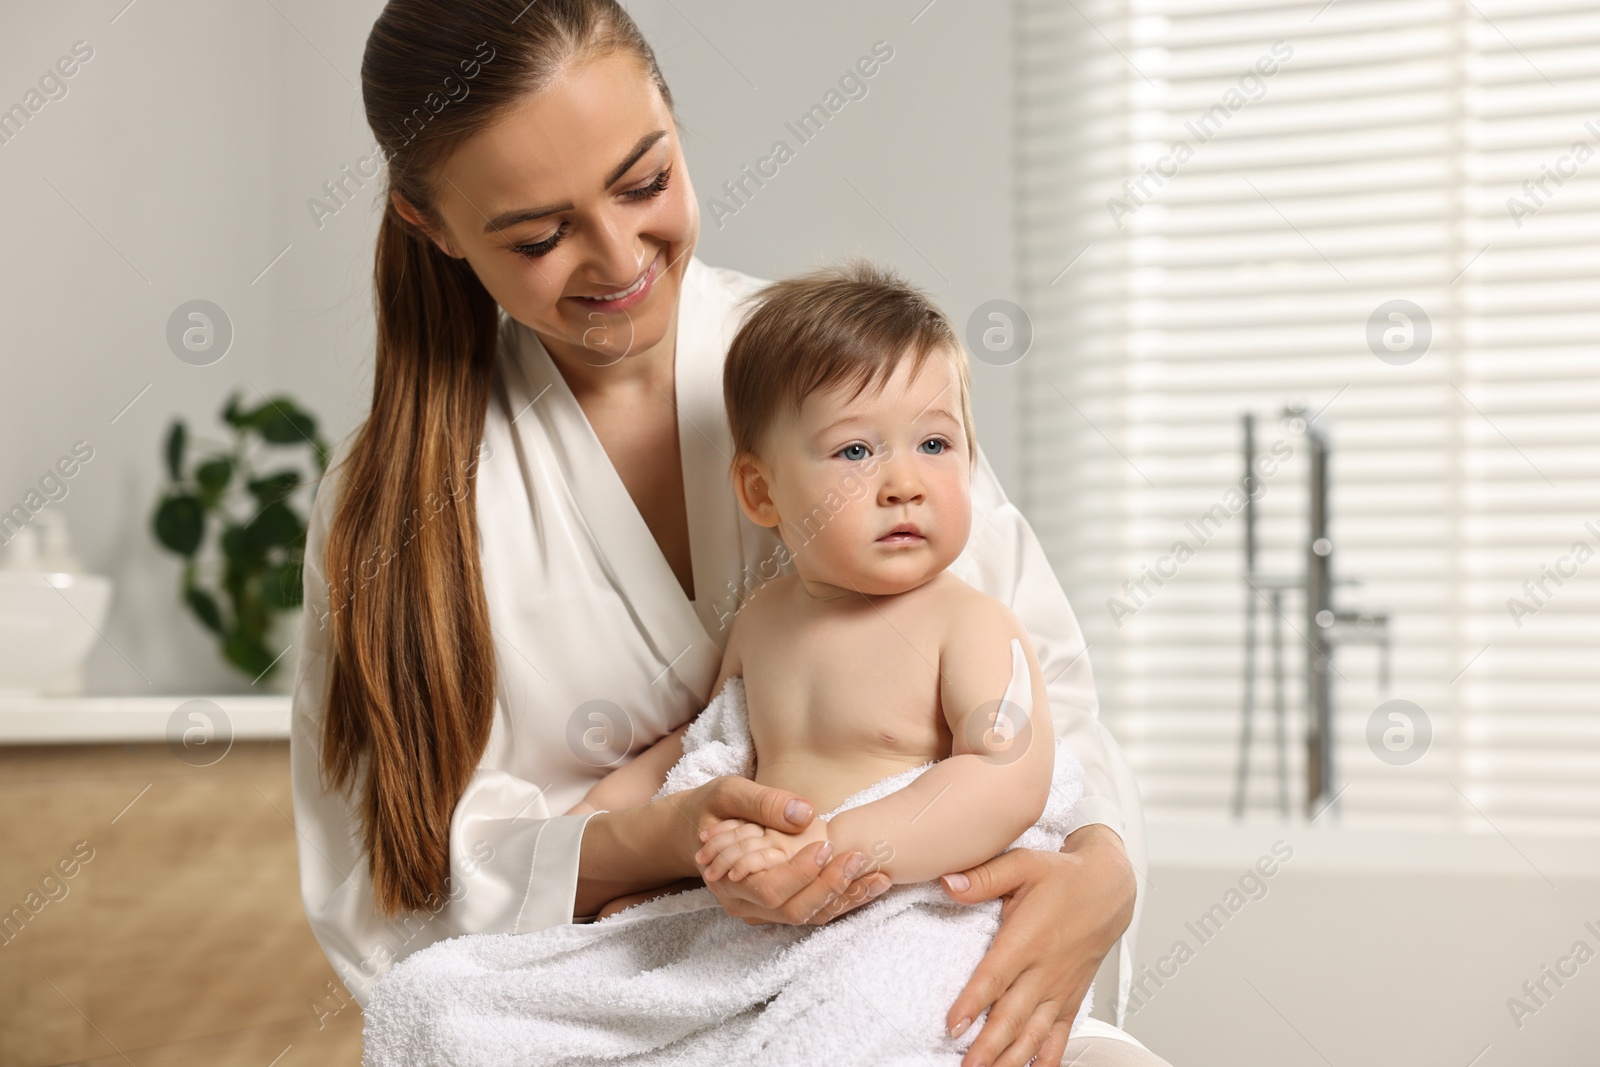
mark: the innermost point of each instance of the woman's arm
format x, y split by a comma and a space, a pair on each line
645, 847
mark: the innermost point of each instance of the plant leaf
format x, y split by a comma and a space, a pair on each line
213, 477
251, 418
246, 652
281, 587
284, 424
205, 606
176, 438
276, 525
274, 487
180, 523
235, 545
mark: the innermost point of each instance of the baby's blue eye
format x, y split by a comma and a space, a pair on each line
941, 442
847, 448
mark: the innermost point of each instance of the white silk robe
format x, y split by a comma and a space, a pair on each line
586, 609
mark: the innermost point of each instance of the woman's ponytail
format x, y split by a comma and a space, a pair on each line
411, 675
412, 689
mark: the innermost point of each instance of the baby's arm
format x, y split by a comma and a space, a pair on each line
637, 780
995, 782
959, 812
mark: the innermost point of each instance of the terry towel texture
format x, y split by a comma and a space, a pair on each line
676, 980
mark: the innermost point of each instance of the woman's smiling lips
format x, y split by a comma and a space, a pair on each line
629, 297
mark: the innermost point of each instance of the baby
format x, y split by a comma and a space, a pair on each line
847, 396
906, 705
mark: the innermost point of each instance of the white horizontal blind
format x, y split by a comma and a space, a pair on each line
1334, 157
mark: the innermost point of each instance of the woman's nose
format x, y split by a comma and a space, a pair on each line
617, 255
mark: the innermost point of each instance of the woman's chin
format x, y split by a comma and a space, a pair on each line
611, 342
615, 336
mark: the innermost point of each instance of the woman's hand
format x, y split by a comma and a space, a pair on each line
812, 887
736, 848
1062, 913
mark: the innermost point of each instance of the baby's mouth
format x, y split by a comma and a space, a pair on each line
906, 533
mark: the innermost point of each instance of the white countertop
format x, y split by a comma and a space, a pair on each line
96, 720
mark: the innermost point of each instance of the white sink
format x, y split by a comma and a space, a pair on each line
48, 623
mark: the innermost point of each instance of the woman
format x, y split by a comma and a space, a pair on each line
522, 569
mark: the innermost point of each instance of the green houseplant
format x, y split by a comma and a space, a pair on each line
259, 536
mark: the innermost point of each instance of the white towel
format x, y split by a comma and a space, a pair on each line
676, 980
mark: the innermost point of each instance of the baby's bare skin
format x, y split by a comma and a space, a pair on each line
848, 688
844, 691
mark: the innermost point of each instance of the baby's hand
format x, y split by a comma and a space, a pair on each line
736, 848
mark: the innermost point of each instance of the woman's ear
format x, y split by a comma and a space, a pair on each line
413, 216
752, 485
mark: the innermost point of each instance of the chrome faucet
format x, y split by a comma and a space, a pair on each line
1326, 628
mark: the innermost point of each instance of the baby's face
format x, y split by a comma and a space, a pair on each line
845, 478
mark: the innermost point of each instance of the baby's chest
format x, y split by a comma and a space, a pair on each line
848, 702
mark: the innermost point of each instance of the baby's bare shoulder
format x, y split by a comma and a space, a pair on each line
969, 616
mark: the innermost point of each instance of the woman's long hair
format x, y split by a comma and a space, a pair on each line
411, 679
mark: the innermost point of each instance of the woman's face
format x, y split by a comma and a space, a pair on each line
574, 197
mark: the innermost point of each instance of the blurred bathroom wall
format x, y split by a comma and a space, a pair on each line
152, 181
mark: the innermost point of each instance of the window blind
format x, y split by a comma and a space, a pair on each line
1220, 202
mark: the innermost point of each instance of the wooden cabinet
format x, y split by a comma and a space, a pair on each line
150, 914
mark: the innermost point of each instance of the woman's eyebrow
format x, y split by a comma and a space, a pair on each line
528, 214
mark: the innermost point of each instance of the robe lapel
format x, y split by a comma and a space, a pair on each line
706, 443
623, 541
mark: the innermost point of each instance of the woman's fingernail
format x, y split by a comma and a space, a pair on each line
853, 868
797, 809
957, 882
824, 853
960, 1028
877, 888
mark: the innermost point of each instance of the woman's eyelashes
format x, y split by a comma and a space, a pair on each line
648, 191
943, 443
654, 187
544, 247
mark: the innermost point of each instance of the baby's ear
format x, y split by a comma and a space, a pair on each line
750, 483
